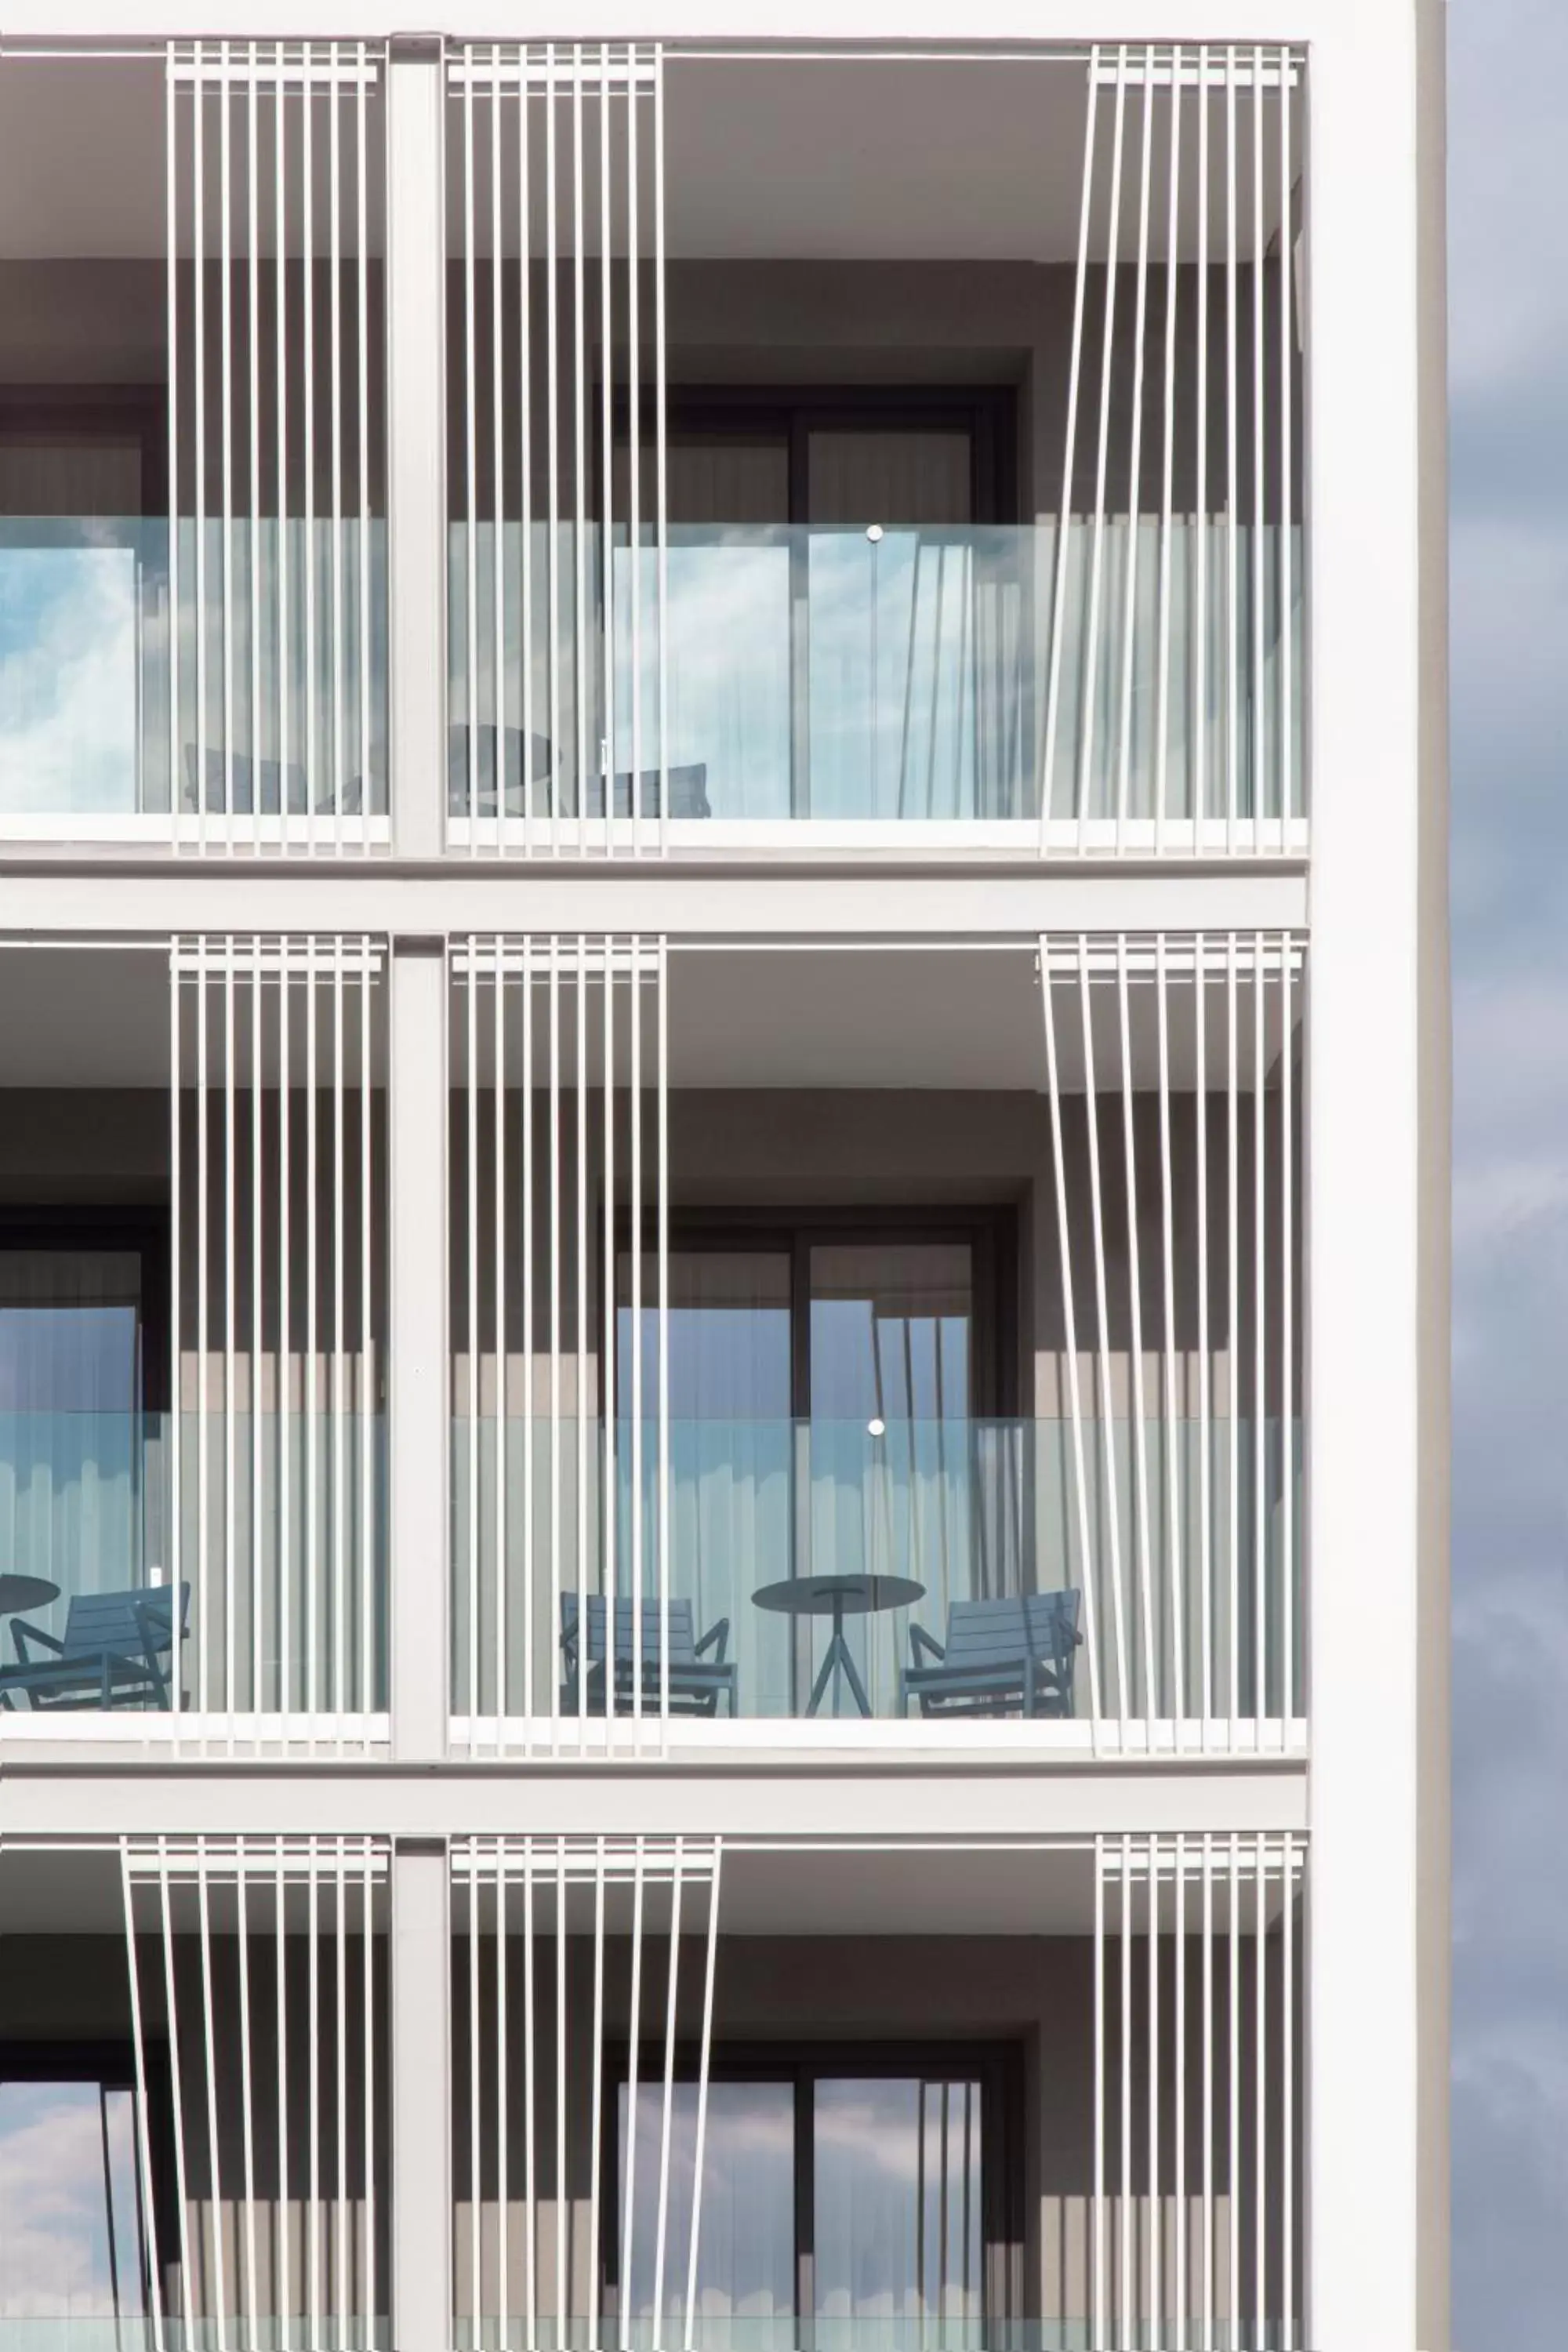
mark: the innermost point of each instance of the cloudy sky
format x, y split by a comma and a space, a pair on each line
1509, 196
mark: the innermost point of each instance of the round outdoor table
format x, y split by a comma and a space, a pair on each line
26, 1592
837, 1597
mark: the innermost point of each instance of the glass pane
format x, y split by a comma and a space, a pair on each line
745, 2253
890, 475
729, 1335
69, 1324
897, 2190
70, 2247
891, 1330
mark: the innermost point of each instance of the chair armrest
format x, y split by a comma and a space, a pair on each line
717, 1639
920, 1641
22, 1633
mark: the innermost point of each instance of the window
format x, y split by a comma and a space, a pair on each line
75, 2244
837, 2186
874, 1318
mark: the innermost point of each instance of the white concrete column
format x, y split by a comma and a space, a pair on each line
416, 443
421, 2099
1377, 1156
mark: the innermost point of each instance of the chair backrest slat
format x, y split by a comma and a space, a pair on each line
96, 1622
682, 1641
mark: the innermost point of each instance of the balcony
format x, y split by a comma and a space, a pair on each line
847, 1573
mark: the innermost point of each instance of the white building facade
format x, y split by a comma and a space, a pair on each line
724, 1201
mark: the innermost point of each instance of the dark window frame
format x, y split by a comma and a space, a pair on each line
996, 2064
991, 1232
92, 414
112, 2064
792, 412
145, 1232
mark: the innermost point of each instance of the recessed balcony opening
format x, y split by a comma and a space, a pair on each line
193, 504
192, 1510
895, 490
805, 1377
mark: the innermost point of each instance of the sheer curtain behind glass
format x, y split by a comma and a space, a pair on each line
70, 1429
71, 2221
730, 1447
746, 2253
898, 2210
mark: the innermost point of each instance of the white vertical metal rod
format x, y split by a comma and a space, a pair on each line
225, 329
502, 1428
1206, 1429
634, 2038
704, 2064
204, 1275
503, 2116
581, 667
526, 406
340, 1449
1259, 451
214, 2187
527, 1247
1232, 476
1288, 2101
367, 2061
1088, 1565
634, 440
1200, 496
471, 1234
530, 2173
1102, 1318
471, 532
312, 1281
366, 794
155, 2268
1168, 446
468, 1852
1097, 2283
1287, 1579
663, 1475
661, 447
253, 242
199, 337
1063, 521
1286, 438
555, 1281
1209, 2115
284, 2286
1096, 555
1124, 2232
1233, 1306
552, 395
285, 1335
1139, 1448
610, 1576
562, 2207
1260, 1347
257, 1252
1179, 2036
230, 1311
334, 261
252, 2303
1260, 2089
1135, 453
1156, 2216
636, 1343
172, 2014
580, 1331
1175, 1580
307, 438
171, 331
313, 1982
497, 462
606, 432
368, 1580
344, 2293
668, 2115
280, 299
596, 2094
176, 1501
1234, 2285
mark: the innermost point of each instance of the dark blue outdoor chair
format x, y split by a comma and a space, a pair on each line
117, 1651
697, 1680
1009, 1656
